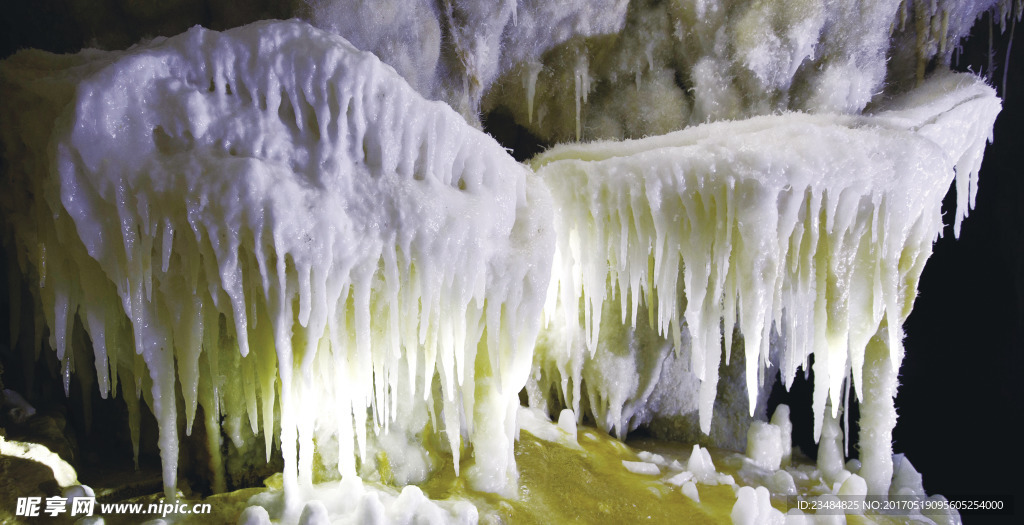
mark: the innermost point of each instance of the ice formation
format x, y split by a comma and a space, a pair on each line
306, 242
687, 62
351, 501
816, 227
455, 50
278, 218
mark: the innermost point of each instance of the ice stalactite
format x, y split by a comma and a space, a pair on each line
275, 219
530, 73
581, 85
272, 219
816, 227
967, 109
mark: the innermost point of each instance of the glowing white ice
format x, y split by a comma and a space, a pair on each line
815, 226
280, 219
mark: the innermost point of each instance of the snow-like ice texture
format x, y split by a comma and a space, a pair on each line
352, 501
685, 62
810, 228
765, 445
279, 219
403, 34
454, 50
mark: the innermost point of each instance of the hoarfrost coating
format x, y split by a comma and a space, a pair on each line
350, 239
687, 62
273, 201
814, 226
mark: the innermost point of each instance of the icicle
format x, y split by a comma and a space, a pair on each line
802, 234
383, 227
211, 410
288, 270
86, 381
846, 416
581, 83
530, 73
944, 32
134, 422
96, 328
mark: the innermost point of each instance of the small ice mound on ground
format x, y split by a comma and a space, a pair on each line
782, 482
254, 515
657, 459
700, 464
689, 490
754, 507
641, 467
906, 480
567, 422
537, 423
354, 502
680, 478
315, 513
780, 418
830, 450
764, 445
854, 489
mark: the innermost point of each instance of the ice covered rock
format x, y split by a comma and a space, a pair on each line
455, 50
754, 506
272, 201
764, 445
812, 228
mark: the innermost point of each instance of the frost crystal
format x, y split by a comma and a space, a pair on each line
278, 225
816, 227
280, 219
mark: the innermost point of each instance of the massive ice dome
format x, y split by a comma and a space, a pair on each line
291, 240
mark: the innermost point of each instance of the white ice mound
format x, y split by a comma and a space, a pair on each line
282, 220
816, 227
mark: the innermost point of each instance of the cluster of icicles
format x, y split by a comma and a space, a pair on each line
282, 221
815, 226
